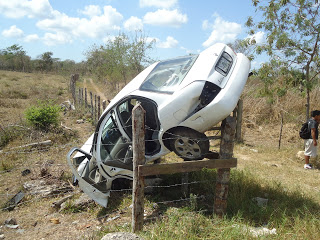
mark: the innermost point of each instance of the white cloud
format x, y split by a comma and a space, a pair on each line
95, 27
21, 8
169, 43
51, 39
221, 31
158, 3
259, 37
91, 10
13, 32
163, 17
108, 38
133, 23
31, 38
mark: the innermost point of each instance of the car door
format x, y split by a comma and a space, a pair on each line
152, 125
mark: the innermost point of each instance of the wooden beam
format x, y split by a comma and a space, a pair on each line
182, 167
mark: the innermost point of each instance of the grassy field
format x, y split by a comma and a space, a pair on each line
264, 171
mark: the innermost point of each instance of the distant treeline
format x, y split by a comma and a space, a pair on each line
117, 61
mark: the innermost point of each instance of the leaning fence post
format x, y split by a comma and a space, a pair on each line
85, 98
138, 145
73, 87
95, 109
79, 90
99, 107
239, 120
226, 151
91, 103
104, 105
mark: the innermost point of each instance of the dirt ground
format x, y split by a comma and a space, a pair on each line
38, 220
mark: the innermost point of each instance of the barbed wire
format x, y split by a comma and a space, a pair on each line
58, 192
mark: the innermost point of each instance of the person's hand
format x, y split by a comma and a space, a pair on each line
315, 143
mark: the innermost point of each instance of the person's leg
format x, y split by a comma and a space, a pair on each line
309, 151
307, 159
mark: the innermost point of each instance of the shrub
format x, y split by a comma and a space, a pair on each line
44, 115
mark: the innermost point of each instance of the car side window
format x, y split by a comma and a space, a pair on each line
109, 136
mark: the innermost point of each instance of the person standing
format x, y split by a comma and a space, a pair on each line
312, 143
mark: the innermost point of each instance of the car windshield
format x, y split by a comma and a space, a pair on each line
168, 74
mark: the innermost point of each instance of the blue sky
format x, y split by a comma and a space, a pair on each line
69, 27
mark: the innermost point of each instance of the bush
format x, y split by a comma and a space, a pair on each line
44, 115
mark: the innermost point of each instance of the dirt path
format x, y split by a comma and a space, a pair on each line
95, 88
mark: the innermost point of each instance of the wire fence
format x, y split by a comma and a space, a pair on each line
55, 170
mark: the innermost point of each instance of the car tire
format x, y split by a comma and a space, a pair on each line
189, 144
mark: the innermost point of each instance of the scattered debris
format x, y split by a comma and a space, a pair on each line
113, 218
57, 204
41, 188
275, 165
254, 150
2, 236
31, 145
12, 226
121, 236
65, 127
261, 231
257, 231
83, 200
67, 106
25, 172
261, 202
79, 121
55, 220
12, 203
10, 221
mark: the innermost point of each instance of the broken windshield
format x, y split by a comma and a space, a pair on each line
168, 74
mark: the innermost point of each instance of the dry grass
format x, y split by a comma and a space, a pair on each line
19, 90
263, 171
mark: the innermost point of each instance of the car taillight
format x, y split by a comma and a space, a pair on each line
224, 64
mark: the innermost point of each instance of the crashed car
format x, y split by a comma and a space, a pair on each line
183, 98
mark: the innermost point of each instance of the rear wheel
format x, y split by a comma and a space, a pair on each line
189, 144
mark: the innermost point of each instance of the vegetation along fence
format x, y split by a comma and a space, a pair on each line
89, 101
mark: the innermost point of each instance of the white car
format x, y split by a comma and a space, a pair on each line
183, 97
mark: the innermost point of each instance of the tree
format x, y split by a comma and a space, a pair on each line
46, 61
14, 58
293, 36
245, 46
138, 51
119, 58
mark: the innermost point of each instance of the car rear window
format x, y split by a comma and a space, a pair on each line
168, 74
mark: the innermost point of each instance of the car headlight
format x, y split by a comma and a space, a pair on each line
224, 64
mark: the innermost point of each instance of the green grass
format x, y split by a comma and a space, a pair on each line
290, 211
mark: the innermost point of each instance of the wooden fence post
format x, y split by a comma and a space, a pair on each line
91, 103
104, 105
226, 151
95, 109
73, 87
85, 98
239, 121
99, 107
79, 96
138, 145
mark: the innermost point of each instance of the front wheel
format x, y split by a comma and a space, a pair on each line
189, 144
